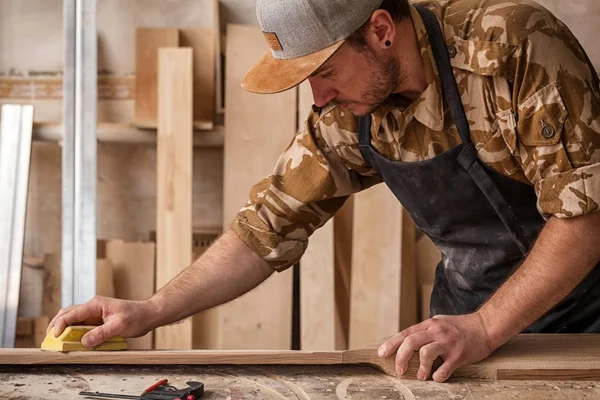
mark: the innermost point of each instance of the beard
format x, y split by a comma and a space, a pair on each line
384, 77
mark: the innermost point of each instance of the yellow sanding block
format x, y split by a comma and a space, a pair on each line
70, 340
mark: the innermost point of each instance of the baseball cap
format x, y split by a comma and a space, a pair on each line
302, 35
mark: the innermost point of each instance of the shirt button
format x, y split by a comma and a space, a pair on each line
452, 51
548, 132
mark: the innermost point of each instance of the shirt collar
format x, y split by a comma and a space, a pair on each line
428, 109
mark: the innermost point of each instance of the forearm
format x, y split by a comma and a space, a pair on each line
224, 272
565, 252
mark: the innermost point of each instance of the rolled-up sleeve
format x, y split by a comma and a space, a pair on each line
558, 121
308, 185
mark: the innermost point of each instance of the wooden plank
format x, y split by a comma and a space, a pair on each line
527, 357
257, 130
376, 262
317, 275
317, 292
426, 291
147, 43
174, 181
342, 226
105, 282
203, 44
134, 272
52, 295
409, 310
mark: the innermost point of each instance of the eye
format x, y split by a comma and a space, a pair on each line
327, 74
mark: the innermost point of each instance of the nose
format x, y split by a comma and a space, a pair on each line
322, 93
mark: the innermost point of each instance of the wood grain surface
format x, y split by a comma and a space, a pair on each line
527, 357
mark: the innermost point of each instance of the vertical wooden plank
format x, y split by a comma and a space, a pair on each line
134, 273
428, 257
257, 130
203, 44
409, 309
105, 282
342, 226
51, 303
376, 261
317, 292
147, 43
317, 280
174, 181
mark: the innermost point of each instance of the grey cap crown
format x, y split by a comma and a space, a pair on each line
307, 26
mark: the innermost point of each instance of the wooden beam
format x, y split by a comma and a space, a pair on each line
174, 181
409, 310
376, 262
527, 357
257, 130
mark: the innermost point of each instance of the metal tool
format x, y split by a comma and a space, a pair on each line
161, 390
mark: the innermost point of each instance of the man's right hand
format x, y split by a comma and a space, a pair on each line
114, 318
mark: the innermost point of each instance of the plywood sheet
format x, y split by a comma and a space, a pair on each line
376, 266
174, 181
257, 130
134, 276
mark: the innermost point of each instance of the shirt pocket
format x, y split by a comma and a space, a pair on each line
541, 118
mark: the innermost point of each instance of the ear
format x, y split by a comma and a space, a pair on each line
383, 29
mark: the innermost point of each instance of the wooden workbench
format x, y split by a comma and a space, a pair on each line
272, 382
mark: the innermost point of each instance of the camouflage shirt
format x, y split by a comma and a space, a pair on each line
532, 100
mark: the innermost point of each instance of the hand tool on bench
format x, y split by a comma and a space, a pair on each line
161, 390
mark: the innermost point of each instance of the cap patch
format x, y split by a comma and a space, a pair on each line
273, 41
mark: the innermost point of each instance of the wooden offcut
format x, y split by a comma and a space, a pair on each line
174, 181
258, 128
376, 266
147, 43
527, 357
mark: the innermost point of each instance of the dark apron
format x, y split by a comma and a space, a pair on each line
483, 222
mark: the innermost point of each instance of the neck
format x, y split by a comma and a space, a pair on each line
413, 81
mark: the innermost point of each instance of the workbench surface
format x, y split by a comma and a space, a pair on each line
271, 382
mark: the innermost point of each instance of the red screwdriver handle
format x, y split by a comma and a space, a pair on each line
157, 384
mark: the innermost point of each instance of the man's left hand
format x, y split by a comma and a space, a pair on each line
457, 340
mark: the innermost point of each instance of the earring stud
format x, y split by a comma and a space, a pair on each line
388, 43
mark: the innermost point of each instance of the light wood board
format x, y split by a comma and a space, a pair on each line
174, 181
527, 357
134, 271
376, 266
147, 43
342, 226
318, 316
258, 128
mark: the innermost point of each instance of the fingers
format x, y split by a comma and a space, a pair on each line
391, 345
78, 314
411, 344
427, 355
101, 334
446, 369
60, 314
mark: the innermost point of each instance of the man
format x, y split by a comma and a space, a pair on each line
501, 169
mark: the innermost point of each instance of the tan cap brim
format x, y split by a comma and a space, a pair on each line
271, 75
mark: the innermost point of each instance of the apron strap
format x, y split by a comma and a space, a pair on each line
468, 157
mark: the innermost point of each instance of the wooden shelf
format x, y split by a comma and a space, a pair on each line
124, 133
